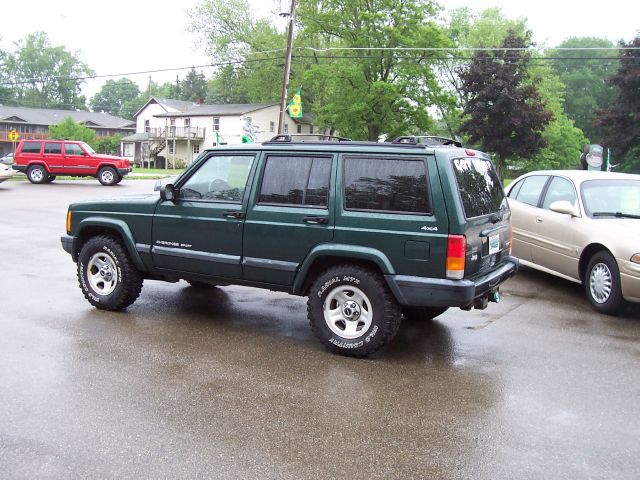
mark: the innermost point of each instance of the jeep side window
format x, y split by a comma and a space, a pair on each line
31, 147
222, 178
386, 184
301, 181
53, 148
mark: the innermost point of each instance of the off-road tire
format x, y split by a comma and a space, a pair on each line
336, 290
50, 178
119, 179
422, 313
37, 174
107, 176
117, 284
602, 284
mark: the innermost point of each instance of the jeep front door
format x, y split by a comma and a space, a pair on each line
201, 230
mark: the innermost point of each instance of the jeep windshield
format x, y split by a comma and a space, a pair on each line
480, 188
88, 149
611, 198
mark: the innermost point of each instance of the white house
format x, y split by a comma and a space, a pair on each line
179, 131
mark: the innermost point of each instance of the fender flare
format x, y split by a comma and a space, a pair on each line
123, 230
340, 250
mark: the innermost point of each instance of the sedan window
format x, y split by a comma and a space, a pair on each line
560, 189
530, 189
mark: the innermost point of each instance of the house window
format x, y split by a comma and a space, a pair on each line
310, 128
299, 128
172, 147
216, 124
272, 126
187, 122
127, 150
196, 148
172, 128
286, 128
147, 128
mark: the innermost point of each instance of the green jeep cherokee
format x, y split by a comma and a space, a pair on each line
368, 231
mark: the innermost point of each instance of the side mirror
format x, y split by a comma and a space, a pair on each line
168, 193
564, 206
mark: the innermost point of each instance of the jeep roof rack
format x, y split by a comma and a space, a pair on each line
289, 138
426, 140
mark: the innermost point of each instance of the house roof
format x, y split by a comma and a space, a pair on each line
48, 116
207, 110
168, 104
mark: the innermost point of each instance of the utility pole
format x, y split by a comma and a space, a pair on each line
287, 69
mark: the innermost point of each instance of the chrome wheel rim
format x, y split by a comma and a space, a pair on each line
37, 175
102, 273
348, 312
600, 282
107, 176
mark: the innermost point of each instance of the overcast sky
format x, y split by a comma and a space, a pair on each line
126, 36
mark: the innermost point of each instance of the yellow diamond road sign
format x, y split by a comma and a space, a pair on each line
13, 136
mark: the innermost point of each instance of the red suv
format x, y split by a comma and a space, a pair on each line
42, 160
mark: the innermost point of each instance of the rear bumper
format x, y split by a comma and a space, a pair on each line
432, 292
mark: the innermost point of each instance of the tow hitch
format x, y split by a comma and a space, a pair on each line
482, 302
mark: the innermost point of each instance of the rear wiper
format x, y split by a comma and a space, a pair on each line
615, 214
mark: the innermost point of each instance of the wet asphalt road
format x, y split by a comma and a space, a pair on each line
230, 383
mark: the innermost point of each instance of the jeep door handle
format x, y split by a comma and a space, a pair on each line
232, 214
316, 220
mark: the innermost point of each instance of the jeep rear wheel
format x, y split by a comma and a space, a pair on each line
107, 176
352, 311
37, 174
108, 279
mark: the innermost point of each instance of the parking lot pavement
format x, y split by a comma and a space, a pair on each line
230, 383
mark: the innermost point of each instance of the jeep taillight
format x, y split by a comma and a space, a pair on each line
456, 249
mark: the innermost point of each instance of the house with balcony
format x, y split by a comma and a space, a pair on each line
173, 133
34, 123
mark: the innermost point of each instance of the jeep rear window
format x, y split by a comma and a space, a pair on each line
31, 147
480, 188
386, 185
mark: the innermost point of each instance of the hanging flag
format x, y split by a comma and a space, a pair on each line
295, 105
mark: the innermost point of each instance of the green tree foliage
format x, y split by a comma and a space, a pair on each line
621, 121
584, 79
193, 87
46, 76
67, 129
469, 29
108, 145
113, 96
231, 34
376, 91
504, 113
563, 139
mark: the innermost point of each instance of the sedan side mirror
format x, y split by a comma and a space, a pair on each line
168, 193
566, 207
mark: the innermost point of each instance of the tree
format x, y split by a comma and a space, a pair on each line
504, 113
374, 91
46, 76
113, 95
108, 145
193, 87
67, 129
584, 79
621, 121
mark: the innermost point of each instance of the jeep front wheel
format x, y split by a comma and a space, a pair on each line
37, 174
107, 176
352, 311
108, 279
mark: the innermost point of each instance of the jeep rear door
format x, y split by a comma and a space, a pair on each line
290, 212
478, 210
201, 230
392, 204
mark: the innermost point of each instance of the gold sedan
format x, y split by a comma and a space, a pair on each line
583, 226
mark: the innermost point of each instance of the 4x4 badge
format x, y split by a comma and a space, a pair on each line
429, 229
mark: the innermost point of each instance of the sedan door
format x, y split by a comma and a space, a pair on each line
556, 245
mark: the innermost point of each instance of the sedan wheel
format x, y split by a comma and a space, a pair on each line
602, 284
